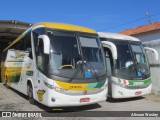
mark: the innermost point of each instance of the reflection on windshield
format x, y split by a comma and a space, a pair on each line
124, 64
131, 61
138, 53
140, 59
66, 59
93, 55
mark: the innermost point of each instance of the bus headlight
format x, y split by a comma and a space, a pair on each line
49, 85
58, 89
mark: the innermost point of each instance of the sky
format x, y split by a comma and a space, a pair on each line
100, 15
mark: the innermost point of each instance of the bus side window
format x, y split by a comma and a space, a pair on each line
38, 46
27, 44
108, 62
36, 33
40, 55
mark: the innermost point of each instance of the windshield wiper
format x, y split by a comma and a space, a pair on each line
79, 64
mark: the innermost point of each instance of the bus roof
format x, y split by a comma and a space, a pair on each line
55, 25
64, 26
117, 36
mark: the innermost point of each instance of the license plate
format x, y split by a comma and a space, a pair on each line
138, 93
84, 99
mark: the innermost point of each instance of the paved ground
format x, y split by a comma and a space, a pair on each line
11, 100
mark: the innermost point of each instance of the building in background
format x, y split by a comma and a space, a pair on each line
149, 34
10, 30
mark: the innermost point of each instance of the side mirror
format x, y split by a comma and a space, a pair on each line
46, 43
108, 63
112, 47
152, 50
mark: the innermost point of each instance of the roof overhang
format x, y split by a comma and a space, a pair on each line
11, 29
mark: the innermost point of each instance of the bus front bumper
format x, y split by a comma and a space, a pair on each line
120, 92
63, 100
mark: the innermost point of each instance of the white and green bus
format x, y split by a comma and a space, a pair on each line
130, 68
57, 65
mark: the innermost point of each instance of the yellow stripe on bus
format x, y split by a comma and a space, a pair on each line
64, 26
71, 86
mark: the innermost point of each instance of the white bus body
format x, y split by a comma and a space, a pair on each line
57, 65
130, 68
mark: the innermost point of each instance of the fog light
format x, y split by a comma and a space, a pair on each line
53, 99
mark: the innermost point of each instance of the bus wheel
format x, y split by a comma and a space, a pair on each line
6, 82
30, 94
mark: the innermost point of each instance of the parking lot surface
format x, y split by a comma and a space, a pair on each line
11, 100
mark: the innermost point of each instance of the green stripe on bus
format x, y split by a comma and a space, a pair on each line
92, 85
100, 84
146, 81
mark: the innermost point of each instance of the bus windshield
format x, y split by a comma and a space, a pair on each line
131, 62
75, 56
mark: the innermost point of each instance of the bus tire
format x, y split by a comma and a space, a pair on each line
30, 94
6, 82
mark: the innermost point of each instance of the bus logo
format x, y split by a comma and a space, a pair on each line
19, 55
75, 87
85, 92
138, 83
40, 94
6, 114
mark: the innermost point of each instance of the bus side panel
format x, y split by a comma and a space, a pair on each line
27, 73
2, 71
18, 68
3, 58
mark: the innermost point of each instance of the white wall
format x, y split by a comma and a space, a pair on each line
149, 36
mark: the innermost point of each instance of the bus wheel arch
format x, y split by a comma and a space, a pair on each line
30, 92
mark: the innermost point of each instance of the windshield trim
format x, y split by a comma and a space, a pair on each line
77, 35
